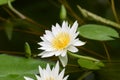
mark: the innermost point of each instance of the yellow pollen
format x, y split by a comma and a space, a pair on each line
50, 78
61, 41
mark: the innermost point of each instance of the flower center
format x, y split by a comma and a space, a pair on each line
61, 41
50, 78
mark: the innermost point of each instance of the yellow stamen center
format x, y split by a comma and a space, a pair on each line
50, 78
61, 41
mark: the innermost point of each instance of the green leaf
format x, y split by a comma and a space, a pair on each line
14, 68
90, 64
2, 2
98, 32
15, 77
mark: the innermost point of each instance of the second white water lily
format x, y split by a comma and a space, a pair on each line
60, 40
50, 74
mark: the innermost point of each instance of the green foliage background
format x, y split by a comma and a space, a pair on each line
40, 15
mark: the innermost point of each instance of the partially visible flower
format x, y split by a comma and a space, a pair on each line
50, 74
59, 40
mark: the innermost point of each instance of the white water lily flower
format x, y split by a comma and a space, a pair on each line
60, 40
50, 74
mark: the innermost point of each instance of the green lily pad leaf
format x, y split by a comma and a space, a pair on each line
2, 2
14, 68
90, 64
15, 77
98, 32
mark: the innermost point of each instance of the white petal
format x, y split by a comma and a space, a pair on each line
61, 75
48, 68
49, 54
27, 78
72, 37
44, 43
46, 54
38, 77
65, 78
56, 30
75, 35
72, 49
63, 52
42, 53
74, 27
58, 52
65, 27
46, 46
77, 42
43, 38
56, 69
49, 36
64, 24
58, 26
64, 60
41, 71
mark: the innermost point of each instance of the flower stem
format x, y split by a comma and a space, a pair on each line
24, 17
106, 50
114, 11
84, 57
15, 11
90, 15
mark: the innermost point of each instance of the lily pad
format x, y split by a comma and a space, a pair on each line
98, 32
90, 64
14, 68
